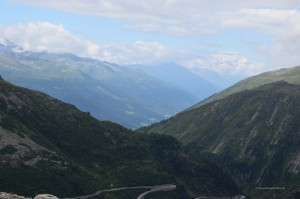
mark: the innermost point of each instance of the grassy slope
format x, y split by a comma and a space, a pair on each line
290, 75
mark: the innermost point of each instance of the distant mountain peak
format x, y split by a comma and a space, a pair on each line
8, 45
6, 42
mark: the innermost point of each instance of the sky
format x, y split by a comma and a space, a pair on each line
238, 37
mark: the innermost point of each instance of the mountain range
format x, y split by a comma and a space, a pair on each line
253, 135
108, 91
181, 78
221, 80
48, 146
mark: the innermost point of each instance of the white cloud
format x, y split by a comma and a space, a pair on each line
226, 63
44, 36
144, 27
137, 52
268, 20
175, 29
159, 10
280, 26
284, 52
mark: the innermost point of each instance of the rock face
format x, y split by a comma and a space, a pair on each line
16, 148
45, 196
4, 195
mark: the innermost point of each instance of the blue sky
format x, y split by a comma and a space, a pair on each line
235, 37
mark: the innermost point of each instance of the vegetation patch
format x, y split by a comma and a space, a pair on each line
7, 150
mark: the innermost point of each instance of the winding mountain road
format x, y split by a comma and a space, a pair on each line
235, 197
156, 188
159, 188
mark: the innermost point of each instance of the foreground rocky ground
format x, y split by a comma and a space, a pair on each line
4, 195
11, 196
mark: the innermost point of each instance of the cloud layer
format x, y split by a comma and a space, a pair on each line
172, 11
45, 36
278, 20
226, 63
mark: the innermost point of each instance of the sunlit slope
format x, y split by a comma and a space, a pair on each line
290, 75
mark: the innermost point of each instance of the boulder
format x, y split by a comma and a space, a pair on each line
45, 196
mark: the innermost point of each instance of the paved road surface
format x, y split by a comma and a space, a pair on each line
169, 187
235, 197
155, 188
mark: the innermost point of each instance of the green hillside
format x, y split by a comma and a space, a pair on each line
290, 75
254, 135
48, 146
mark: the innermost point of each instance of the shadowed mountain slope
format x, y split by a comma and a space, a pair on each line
48, 146
253, 135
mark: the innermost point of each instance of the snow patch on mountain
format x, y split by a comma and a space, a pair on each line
4, 43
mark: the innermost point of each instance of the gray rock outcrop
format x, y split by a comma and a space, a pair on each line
4, 195
45, 196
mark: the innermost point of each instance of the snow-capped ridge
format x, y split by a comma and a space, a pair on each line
4, 43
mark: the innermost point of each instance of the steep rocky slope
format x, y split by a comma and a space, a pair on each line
253, 135
48, 146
